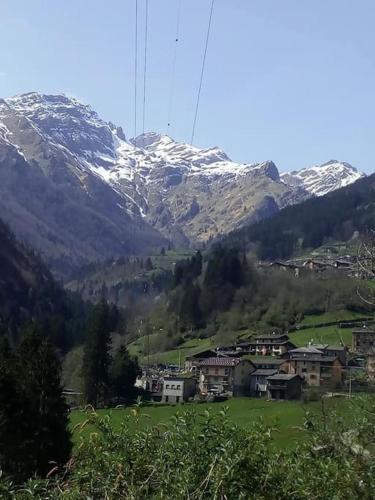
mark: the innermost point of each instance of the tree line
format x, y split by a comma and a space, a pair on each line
34, 416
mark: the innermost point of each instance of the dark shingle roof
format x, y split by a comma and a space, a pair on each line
267, 361
282, 376
317, 358
271, 336
264, 372
363, 330
220, 362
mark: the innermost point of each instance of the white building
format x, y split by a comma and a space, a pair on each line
178, 389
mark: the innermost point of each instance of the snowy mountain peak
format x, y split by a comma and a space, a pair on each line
322, 179
171, 151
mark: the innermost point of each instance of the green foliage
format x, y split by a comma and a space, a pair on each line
123, 373
34, 434
187, 270
207, 456
307, 225
97, 358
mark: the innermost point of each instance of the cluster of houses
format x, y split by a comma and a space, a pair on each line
346, 264
267, 365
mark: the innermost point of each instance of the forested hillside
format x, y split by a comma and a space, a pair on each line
336, 216
28, 292
222, 297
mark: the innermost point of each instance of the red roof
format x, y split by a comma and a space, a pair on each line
220, 362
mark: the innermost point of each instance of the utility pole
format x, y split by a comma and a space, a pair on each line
350, 382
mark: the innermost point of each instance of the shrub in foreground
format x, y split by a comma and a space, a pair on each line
208, 457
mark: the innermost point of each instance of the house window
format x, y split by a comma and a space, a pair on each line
226, 371
167, 386
216, 371
304, 370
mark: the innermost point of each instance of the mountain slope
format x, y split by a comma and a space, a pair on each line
322, 179
49, 195
27, 289
339, 215
78, 191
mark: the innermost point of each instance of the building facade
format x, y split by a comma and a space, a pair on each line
284, 386
315, 368
270, 345
259, 383
178, 389
363, 340
225, 375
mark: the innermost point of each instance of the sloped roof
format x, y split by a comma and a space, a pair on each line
283, 376
317, 358
268, 361
220, 362
271, 336
306, 350
364, 329
264, 372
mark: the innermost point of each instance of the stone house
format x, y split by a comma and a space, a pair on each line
370, 365
363, 340
225, 374
272, 344
315, 368
258, 381
284, 386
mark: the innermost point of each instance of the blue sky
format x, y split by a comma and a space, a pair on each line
292, 80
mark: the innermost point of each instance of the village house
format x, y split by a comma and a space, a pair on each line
192, 362
318, 266
370, 365
271, 362
225, 374
284, 386
178, 389
315, 367
273, 344
258, 381
333, 350
363, 340
287, 266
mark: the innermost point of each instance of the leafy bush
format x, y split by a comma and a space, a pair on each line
208, 457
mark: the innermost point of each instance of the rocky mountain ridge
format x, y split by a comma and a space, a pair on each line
319, 180
77, 190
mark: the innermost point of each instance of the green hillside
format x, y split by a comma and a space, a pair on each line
301, 228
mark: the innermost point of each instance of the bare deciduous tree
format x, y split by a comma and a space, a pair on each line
366, 267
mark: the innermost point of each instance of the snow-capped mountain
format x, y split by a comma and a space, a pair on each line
74, 187
322, 179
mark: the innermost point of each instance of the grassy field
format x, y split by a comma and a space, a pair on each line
174, 356
326, 335
329, 317
287, 416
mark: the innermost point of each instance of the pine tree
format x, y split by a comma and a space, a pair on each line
34, 435
39, 374
149, 265
97, 358
124, 371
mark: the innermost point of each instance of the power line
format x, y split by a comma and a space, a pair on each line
145, 68
136, 69
202, 70
172, 84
